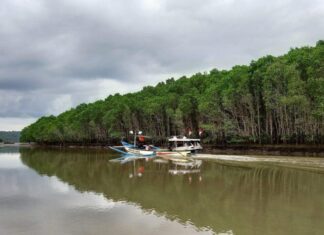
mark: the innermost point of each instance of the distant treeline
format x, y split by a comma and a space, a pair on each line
273, 100
9, 136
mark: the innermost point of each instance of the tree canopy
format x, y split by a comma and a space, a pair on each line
272, 100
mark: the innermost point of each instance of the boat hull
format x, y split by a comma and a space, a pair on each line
173, 154
139, 152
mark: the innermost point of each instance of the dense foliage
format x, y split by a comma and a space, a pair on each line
9, 136
273, 100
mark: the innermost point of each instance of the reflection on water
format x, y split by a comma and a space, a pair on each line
157, 196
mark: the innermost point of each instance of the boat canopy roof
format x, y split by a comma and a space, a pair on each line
182, 139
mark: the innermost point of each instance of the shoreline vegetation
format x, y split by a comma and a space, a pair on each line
274, 101
231, 149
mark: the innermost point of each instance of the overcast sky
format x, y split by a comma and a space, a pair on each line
57, 54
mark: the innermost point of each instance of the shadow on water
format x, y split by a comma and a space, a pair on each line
245, 199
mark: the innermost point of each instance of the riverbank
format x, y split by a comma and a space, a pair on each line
275, 150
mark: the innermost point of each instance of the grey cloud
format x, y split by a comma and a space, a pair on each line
48, 48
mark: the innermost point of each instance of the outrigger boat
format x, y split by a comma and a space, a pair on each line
134, 150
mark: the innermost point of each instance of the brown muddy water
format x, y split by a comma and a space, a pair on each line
53, 191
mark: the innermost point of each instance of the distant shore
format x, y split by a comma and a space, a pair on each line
15, 144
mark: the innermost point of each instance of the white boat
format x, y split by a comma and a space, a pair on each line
139, 151
168, 153
177, 144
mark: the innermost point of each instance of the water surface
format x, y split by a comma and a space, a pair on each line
53, 191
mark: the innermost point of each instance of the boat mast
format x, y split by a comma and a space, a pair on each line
134, 132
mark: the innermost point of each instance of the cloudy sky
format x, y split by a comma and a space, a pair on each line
57, 54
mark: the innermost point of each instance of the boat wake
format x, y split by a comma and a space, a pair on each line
300, 161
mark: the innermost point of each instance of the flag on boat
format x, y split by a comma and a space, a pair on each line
141, 138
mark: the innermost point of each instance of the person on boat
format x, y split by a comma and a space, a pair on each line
141, 142
170, 146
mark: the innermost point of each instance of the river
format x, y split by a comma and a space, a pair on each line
80, 191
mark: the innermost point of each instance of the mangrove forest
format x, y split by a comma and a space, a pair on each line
273, 100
